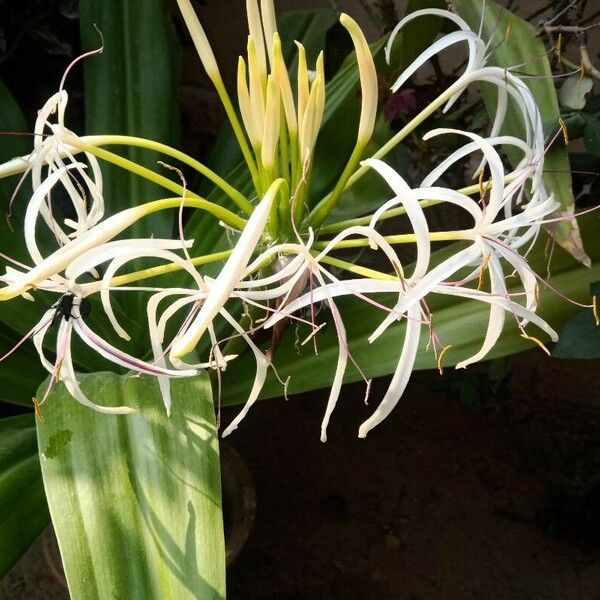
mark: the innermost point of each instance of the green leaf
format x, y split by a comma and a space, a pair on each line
458, 322
130, 89
23, 508
135, 500
591, 134
524, 49
19, 374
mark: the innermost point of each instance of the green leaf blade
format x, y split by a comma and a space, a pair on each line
135, 500
23, 508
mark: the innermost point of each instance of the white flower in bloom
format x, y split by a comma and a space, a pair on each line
68, 313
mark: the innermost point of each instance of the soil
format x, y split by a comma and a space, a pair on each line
482, 485
455, 497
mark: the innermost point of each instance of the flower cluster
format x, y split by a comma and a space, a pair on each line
283, 263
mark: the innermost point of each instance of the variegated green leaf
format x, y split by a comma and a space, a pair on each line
135, 499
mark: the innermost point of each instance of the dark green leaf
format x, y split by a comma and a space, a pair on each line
23, 508
131, 89
417, 35
591, 134
580, 337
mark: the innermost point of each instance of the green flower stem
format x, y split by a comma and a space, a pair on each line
404, 238
126, 140
130, 165
388, 214
406, 130
395, 212
356, 269
142, 274
221, 213
323, 208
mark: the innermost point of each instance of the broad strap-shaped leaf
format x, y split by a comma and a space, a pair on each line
130, 89
135, 500
23, 508
458, 322
516, 44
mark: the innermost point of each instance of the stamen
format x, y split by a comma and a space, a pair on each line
440, 358
37, 410
581, 71
536, 340
368, 391
595, 309
482, 269
565, 131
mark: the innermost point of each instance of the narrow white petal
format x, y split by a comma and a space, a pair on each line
262, 365
496, 320
413, 210
229, 276
402, 373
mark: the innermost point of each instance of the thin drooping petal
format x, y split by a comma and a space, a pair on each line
401, 374
414, 212
69, 378
119, 357
262, 365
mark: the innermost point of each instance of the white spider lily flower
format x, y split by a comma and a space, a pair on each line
53, 152
68, 308
286, 280
62, 368
229, 276
476, 70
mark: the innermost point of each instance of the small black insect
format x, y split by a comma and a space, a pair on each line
65, 305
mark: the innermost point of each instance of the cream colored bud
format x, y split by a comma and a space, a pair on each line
310, 129
256, 33
303, 83
368, 78
254, 134
269, 25
200, 40
271, 125
257, 88
282, 79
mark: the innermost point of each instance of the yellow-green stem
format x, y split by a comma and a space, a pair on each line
238, 131
407, 129
130, 165
164, 269
221, 213
405, 238
322, 210
395, 212
126, 140
356, 269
